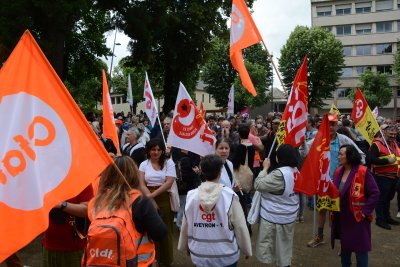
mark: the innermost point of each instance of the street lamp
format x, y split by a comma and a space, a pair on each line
112, 56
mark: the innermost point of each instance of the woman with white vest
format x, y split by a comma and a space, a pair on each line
279, 207
214, 229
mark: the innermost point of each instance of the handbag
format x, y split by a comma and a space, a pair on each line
174, 197
245, 176
254, 213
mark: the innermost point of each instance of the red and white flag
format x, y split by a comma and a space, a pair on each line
231, 101
150, 103
109, 128
292, 128
315, 174
189, 130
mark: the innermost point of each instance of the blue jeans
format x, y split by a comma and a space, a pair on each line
361, 258
179, 215
387, 189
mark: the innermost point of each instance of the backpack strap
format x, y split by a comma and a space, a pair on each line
228, 171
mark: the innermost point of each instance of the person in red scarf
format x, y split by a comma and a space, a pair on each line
358, 196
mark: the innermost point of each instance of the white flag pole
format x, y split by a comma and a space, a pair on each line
162, 131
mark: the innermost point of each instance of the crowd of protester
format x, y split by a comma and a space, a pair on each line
246, 151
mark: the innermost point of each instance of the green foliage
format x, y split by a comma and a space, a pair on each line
218, 75
172, 38
325, 61
396, 66
375, 88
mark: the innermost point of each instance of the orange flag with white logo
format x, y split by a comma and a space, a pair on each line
292, 128
109, 128
315, 177
48, 151
244, 33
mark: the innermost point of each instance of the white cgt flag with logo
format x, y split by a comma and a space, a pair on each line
231, 101
150, 103
189, 130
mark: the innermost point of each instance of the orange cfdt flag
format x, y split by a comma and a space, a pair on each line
244, 33
48, 151
109, 128
292, 128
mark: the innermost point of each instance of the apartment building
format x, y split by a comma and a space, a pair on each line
370, 32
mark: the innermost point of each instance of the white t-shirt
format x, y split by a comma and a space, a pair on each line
157, 178
224, 179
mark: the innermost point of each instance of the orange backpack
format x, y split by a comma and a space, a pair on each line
111, 239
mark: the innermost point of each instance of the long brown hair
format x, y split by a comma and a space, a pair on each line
113, 190
160, 143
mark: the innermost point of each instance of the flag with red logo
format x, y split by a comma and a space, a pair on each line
48, 151
244, 33
150, 103
231, 101
109, 128
292, 128
315, 178
189, 130
363, 118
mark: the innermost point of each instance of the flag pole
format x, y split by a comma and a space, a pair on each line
384, 139
272, 147
162, 132
274, 66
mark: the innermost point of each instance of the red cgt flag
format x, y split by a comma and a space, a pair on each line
48, 151
292, 128
109, 129
244, 33
314, 176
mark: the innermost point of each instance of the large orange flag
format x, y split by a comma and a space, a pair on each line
314, 176
292, 128
48, 151
244, 33
363, 117
109, 129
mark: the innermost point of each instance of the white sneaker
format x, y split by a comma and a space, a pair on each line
398, 215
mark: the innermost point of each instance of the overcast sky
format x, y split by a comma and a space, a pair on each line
275, 19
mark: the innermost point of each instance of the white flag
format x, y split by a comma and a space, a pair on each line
375, 112
129, 98
150, 107
231, 101
189, 131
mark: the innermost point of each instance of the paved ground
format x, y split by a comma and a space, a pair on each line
386, 249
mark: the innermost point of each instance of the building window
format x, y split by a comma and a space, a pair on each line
329, 28
384, 49
386, 26
343, 10
383, 5
363, 50
343, 30
342, 92
363, 7
323, 11
362, 69
202, 98
363, 28
347, 72
347, 51
113, 100
209, 98
384, 69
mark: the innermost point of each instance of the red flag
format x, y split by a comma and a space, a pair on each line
109, 128
315, 176
48, 151
244, 33
292, 128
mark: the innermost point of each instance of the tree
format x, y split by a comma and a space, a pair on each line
396, 66
218, 75
375, 88
325, 61
70, 34
173, 38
